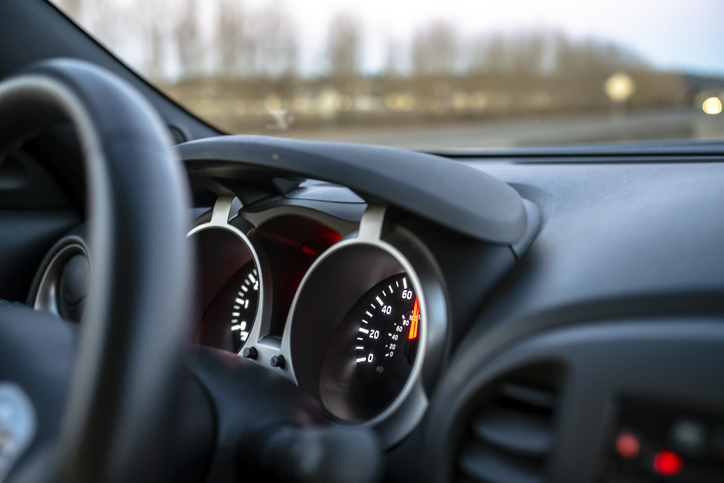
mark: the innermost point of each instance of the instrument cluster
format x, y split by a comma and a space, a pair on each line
353, 311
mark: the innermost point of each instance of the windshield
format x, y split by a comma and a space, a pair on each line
430, 75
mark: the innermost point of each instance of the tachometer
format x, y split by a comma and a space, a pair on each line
229, 320
372, 353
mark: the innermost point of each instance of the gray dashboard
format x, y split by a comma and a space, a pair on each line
616, 240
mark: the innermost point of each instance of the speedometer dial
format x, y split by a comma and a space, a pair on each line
371, 355
388, 334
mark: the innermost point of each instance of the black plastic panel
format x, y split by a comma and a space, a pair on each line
449, 193
615, 241
668, 362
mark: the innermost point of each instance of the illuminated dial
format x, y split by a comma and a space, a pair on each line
387, 337
230, 318
371, 355
244, 307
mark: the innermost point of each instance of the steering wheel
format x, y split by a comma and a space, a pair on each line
100, 402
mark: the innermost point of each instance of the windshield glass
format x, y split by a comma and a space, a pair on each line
429, 75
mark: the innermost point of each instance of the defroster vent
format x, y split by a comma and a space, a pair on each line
511, 430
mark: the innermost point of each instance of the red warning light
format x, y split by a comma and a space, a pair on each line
667, 463
415, 320
628, 445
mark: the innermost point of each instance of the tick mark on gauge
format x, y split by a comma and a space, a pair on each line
404, 283
362, 329
390, 287
365, 321
368, 314
361, 359
239, 301
359, 347
244, 288
379, 301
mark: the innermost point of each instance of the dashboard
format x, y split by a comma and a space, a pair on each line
346, 313
485, 357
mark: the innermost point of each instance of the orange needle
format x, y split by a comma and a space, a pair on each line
415, 320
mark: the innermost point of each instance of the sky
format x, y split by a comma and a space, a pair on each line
685, 35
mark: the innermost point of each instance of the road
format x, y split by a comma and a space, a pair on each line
651, 125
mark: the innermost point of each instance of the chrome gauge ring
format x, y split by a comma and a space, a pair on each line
367, 328
231, 280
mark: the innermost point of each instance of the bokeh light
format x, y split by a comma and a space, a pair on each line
712, 106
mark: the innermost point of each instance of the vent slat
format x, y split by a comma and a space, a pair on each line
529, 395
517, 432
511, 431
486, 465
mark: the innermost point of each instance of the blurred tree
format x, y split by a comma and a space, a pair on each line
187, 40
487, 54
155, 31
520, 54
435, 50
578, 57
582, 66
235, 45
344, 42
527, 53
395, 59
276, 40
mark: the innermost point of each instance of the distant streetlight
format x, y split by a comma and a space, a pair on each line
712, 106
619, 87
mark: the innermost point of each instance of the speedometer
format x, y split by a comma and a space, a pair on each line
388, 333
371, 355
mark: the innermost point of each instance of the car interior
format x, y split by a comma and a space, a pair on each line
178, 303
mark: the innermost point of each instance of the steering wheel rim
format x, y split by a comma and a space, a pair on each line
118, 411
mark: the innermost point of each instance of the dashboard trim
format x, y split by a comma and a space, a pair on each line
470, 202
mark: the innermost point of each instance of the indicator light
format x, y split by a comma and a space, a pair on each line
415, 320
667, 463
628, 445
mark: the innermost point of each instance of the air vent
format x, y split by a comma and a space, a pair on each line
510, 432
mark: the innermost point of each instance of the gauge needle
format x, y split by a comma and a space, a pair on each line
415, 319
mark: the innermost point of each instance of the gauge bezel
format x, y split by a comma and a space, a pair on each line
222, 218
406, 410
